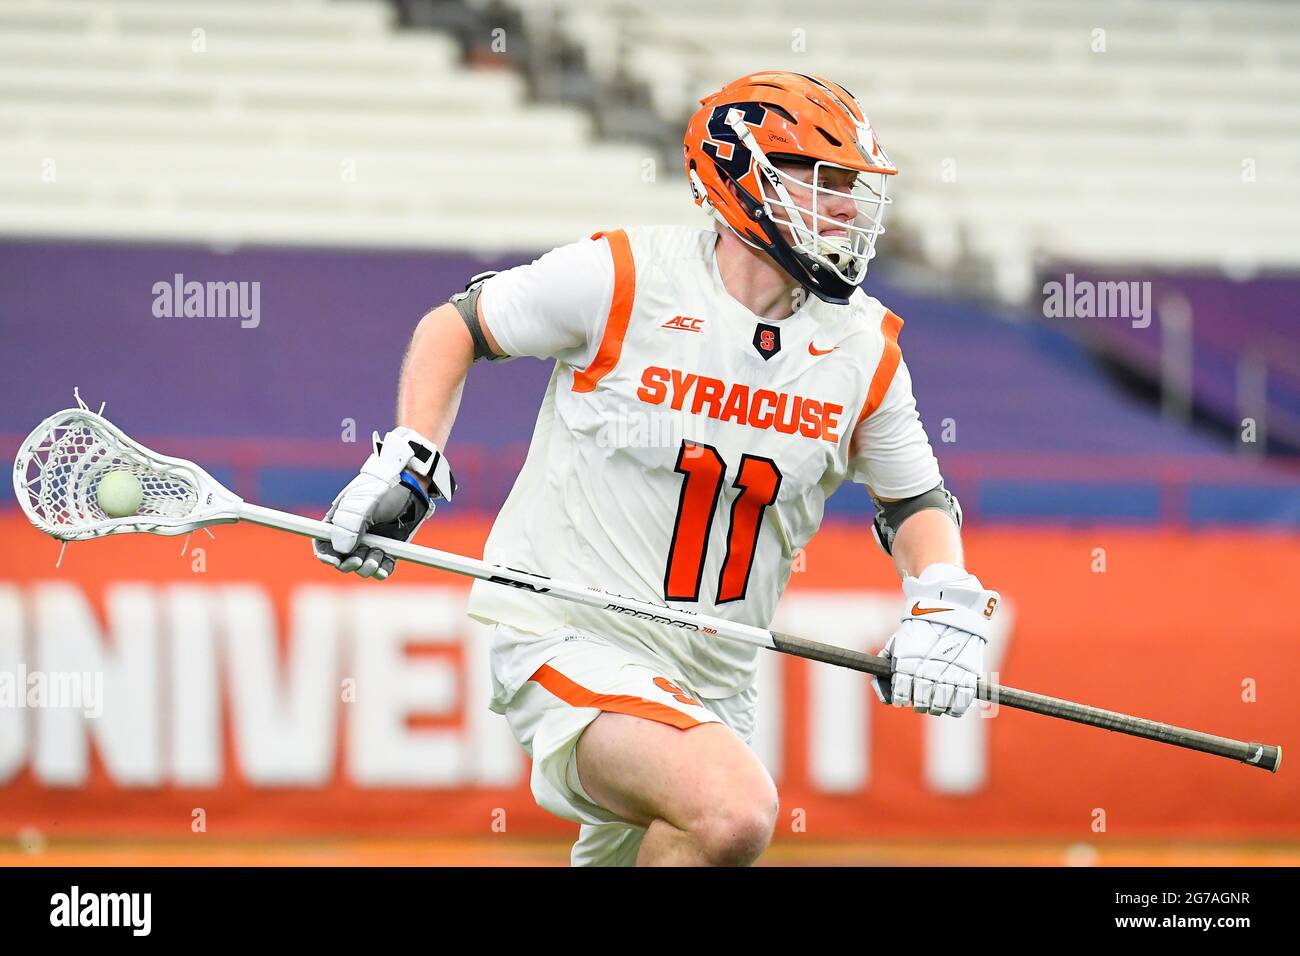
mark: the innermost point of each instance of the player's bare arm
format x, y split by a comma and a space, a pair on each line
437, 360
927, 537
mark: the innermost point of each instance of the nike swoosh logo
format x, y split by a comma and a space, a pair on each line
814, 350
918, 610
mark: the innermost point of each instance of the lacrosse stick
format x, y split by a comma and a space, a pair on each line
60, 465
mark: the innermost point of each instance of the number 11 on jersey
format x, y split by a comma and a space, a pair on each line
703, 472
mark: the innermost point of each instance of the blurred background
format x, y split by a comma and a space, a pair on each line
1095, 245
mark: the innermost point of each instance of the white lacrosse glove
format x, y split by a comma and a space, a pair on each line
387, 499
937, 652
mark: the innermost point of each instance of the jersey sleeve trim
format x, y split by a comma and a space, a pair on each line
620, 312
890, 326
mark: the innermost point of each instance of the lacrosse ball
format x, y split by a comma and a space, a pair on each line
119, 494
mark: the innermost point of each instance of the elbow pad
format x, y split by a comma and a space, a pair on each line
891, 515
466, 304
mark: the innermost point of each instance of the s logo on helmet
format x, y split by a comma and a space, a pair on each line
722, 144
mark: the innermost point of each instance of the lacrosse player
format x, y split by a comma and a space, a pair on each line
711, 389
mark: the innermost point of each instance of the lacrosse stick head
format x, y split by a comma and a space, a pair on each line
60, 465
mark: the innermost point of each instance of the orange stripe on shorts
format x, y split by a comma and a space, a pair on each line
620, 313
576, 695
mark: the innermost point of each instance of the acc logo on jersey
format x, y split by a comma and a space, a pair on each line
684, 323
767, 339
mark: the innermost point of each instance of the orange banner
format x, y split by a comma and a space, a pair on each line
142, 688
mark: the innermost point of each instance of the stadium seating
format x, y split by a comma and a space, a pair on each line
1107, 132
306, 121
1024, 425
1240, 347
300, 121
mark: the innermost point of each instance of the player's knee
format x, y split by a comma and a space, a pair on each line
736, 832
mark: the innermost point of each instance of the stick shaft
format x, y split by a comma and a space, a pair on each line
1266, 756
525, 580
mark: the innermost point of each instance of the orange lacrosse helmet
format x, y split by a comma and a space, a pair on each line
738, 133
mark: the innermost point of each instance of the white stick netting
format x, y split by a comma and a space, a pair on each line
57, 475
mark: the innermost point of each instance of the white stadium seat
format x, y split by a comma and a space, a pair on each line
1177, 145
314, 122
302, 122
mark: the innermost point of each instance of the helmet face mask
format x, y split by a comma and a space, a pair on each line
740, 149
811, 216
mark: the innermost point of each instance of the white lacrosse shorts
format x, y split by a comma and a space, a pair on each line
581, 677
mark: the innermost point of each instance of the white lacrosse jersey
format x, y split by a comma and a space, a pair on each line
685, 447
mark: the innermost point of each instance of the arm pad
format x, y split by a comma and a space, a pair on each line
890, 515
466, 304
